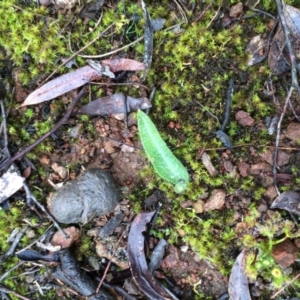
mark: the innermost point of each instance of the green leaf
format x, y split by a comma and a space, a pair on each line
163, 160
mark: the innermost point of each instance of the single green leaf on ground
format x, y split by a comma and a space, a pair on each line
163, 160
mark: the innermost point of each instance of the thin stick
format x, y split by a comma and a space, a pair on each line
279, 291
111, 52
3, 276
228, 104
29, 196
13, 246
42, 138
109, 263
76, 53
278, 137
6, 290
214, 17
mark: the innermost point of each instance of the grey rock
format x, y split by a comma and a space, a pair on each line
92, 194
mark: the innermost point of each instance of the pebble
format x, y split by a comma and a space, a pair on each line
92, 194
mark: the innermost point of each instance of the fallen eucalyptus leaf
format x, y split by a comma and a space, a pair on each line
292, 15
138, 264
163, 160
279, 57
238, 288
289, 201
62, 85
114, 104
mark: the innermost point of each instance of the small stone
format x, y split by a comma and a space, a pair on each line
92, 194
256, 169
30, 233
293, 131
46, 2
44, 159
243, 168
216, 201
181, 232
244, 118
236, 10
285, 253
262, 207
60, 170
59, 239
270, 193
184, 248
282, 157
199, 206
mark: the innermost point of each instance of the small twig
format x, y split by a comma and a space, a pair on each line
214, 17
278, 137
228, 105
263, 12
13, 246
4, 275
279, 291
7, 290
125, 83
31, 198
42, 138
210, 113
76, 53
182, 12
36, 241
111, 52
119, 290
286, 30
293, 111
203, 12
109, 263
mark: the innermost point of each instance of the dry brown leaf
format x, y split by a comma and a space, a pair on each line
62, 85
123, 64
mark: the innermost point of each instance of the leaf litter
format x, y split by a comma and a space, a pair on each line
90, 111
137, 259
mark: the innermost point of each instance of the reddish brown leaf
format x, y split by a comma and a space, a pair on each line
136, 255
123, 64
62, 85
238, 288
